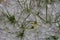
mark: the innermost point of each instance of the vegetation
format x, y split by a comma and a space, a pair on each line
52, 38
34, 8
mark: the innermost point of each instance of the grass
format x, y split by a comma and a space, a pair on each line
20, 35
38, 3
10, 18
57, 17
46, 10
28, 10
35, 24
52, 38
21, 32
40, 17
59, 26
